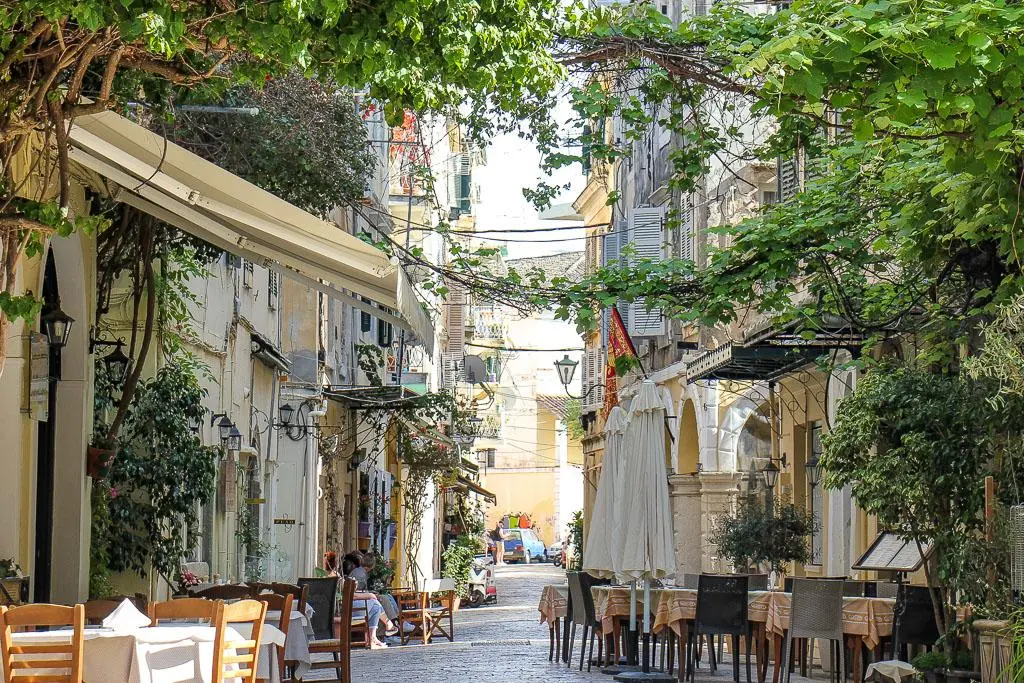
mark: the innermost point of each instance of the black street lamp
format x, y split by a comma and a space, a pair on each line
813, 469
57, 325
287, 412
225, 426
566, 369
117, 363
234, 440
771, 473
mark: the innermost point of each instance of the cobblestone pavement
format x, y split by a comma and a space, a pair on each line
502, 642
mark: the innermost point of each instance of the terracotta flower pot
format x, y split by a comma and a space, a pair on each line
97, 461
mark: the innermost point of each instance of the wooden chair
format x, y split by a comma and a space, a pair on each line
283, 604
184, 609
442, 600
225, 592
414, 610
340, 648
235, 660
359, 625
98, 610
64, 659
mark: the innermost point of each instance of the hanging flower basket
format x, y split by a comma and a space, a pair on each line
97, 461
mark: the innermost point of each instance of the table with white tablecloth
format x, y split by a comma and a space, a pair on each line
296, 647
161, 654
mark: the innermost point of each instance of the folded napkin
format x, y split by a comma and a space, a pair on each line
126, 617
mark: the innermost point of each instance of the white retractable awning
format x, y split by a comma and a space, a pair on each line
184, 190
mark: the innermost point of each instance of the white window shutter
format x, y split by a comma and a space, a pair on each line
686, 233
646, 233
588, 378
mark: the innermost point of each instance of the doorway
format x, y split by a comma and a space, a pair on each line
46, 453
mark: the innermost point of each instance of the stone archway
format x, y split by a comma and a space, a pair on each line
688, 454
736, 415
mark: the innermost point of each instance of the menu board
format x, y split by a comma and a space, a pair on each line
891, 553
39, 380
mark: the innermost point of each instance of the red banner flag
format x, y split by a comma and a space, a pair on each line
619, 345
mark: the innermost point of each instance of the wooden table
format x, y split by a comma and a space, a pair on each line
554, 608
866, 621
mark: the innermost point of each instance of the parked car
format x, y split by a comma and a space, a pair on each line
553, 553
522, 545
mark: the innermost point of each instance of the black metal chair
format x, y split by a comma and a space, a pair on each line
721, 610
757, 582
914, 619
882, 589
322, 594
855, 589
817, 612
583, 612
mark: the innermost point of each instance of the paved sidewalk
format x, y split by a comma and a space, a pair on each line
502, 642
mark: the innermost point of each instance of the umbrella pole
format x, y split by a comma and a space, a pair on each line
645, 674
646, 627
632, 624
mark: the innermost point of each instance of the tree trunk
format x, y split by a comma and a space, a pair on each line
132, 381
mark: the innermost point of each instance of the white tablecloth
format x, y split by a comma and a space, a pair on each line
161, 654
296, 647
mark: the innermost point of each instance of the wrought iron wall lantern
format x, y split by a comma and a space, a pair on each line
771, 471
57, 326
813, 470
230, 437
290, 420
116, 362
566, 368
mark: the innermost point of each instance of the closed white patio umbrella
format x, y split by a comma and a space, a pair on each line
604, 545
647, 548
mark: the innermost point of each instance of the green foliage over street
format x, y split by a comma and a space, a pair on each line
307, 143
904, 112
60, 59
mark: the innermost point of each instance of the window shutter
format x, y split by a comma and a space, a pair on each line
611, 254
646, 233
451, 362
455, 324
687, 244
588, 361
272, 289
787, 178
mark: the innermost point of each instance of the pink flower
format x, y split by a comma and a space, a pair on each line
113, 493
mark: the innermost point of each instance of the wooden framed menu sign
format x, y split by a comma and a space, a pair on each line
891, 553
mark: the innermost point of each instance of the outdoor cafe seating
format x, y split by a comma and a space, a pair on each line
51, 642
858, 621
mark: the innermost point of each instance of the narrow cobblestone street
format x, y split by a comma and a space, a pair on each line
502, 642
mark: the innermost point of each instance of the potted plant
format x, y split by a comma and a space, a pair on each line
756, 536
99, 455
13, 582
931, 665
